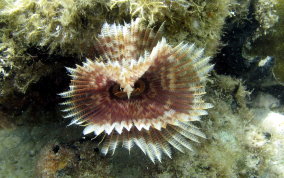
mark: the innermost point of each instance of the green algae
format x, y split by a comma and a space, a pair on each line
68, 28
268, 39
236, 146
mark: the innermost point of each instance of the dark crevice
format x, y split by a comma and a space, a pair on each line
230, 60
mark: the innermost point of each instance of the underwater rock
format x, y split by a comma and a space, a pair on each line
68, 29
38, 38
5, 121
237, 145
53, 159
246, 55
271, 43
271, 125
264, 100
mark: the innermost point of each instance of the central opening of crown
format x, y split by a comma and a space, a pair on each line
139, 88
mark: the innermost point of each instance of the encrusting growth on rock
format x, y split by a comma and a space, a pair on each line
140, 91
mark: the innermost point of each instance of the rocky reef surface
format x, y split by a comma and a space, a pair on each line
245, 129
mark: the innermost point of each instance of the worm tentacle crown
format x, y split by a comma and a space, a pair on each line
142, 91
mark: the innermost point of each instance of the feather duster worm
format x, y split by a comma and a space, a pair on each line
140, 91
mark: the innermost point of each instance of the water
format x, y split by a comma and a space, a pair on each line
241, 136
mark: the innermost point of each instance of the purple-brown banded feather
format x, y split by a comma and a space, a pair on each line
127, 42
144, 92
